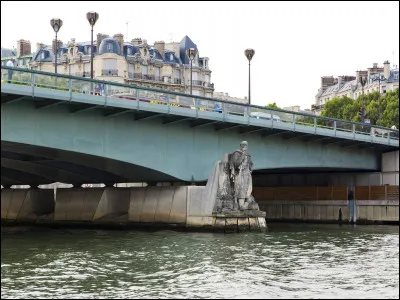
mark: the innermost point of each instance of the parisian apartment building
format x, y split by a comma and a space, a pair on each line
378, 78
161, 65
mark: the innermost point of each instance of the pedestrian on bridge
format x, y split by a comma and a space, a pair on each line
10, 63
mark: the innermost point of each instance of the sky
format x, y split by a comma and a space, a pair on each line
295, 43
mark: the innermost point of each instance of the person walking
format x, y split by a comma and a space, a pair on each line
10, 63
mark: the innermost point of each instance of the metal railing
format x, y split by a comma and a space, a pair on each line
198, 82
227, 110
109, 72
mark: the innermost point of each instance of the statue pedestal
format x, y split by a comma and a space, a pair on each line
239, 221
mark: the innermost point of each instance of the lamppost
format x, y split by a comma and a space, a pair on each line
56, 24
92, 17
363, 81
249, 54
191, 53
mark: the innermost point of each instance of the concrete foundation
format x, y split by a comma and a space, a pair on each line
27, 205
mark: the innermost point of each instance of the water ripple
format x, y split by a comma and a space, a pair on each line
295, 262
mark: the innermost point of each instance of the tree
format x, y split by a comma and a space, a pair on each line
345, 108
336, 107
272, 105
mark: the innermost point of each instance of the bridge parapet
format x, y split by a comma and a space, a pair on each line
127, 97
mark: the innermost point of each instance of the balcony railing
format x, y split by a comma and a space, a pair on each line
198, 82
209, 85
109, 72
177, 81
147, 77
83, 74
144, 76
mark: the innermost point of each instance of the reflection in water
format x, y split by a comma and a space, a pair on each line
290, 261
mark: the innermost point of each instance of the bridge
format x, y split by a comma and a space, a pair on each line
60, 128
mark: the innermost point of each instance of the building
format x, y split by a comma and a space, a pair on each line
161, 65
22, 55
380, 79
225, 96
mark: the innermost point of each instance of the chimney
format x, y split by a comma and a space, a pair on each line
39, 46
59, 44
386, 69
340, 81
100, 38
160, 47
327, 81
23, 47
120, 39
136, 41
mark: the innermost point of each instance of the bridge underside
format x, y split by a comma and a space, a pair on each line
33, 165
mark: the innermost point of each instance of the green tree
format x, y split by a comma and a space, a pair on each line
336, 107
346, 108
272, 105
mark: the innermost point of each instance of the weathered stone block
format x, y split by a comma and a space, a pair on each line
219, 225
231, 225
243, 224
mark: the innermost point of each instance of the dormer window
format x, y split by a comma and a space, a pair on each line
129, 51
171, 57
42, 55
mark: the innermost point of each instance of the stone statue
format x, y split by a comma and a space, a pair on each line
241, 167
235, 186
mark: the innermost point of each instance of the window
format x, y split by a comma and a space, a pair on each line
177, 73
131, 69
109, 47
157, 72
207, 78
42, 55
144, 70
171, 57
72, 69
195, 76
128, 51
86, 68
21, 62
110, 64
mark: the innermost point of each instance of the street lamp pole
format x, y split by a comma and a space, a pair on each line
363, 81
191, 53
56, 24
249, 54
379, 99
92, 17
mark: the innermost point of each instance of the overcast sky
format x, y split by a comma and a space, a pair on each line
295, 43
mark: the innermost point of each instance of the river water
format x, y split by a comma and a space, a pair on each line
289, 261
